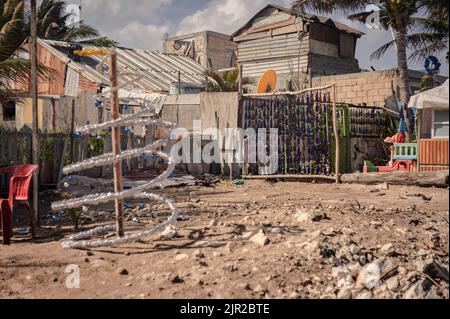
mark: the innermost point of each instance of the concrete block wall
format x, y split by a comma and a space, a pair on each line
372, 88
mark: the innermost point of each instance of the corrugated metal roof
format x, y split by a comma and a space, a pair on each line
159, 70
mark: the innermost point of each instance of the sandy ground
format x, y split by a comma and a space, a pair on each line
312, 241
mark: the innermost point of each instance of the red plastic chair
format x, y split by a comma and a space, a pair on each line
19, 183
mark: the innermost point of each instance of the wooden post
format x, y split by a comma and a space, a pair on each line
179, 82
34, 110
116, 143
240, 78
336, 138
418, 127
72, 131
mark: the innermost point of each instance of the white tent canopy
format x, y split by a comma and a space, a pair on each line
436, 98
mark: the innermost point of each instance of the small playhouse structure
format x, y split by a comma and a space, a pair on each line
431, 151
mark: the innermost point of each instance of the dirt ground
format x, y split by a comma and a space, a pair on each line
257, 240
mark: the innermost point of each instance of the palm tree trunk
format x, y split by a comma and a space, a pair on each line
402, 64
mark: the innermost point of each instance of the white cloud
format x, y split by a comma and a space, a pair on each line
137, 35
134, 23
224, 16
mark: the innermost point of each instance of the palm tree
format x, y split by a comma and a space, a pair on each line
226, 81
431, 32
14, 32
395, 15
12, 28
52, 23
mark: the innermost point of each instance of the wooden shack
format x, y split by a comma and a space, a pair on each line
295, 46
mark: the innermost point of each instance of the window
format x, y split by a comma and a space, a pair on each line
440, 124
9, 111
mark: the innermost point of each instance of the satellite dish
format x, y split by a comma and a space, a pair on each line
268, 82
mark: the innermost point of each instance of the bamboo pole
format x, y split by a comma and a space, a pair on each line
116, 143
336, 138
34, 110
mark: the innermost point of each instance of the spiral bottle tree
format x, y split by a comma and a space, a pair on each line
86, 239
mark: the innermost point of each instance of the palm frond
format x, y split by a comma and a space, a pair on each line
377, 54
328, 6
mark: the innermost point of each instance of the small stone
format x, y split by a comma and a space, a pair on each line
364, 295
169, 233
122, 271
259, 238
354, 250
294, 295
354, 269
181, 257
303, 216
89, 253
402, 270
392, 283
177, 279
383, 186
387, 249
213, 223
345, 293
101, 263
376, 224
422, 252
217, 254
312, 248
369, 276
259, 289
198, 254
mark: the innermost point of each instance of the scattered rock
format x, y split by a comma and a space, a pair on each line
181, 257
198, 254
364, 295
345, 293
259, 238
376, 224
369, 276
122, 271
317, 216
354, 250
101, 263
392, 283
433, 269
176, 279
387, 249
169, 233
418, 290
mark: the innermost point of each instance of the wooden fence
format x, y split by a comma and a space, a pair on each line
434, 154
60, 149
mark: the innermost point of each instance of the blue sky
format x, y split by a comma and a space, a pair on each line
143, 23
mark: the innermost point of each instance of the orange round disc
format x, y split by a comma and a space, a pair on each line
267, 82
